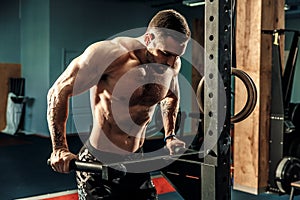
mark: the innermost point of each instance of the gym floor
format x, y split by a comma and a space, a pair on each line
24, 172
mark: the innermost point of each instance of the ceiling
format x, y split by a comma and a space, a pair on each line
292, 7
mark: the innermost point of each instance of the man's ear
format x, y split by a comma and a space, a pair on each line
148, 38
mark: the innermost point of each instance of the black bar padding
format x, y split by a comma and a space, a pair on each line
94, 167
77, 165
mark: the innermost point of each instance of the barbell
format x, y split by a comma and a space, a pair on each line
97, 167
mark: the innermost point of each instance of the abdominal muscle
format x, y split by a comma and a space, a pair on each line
121, 129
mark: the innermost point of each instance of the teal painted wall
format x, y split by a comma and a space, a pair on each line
75, 24
9, 31
35, 46
42, 35
294, 24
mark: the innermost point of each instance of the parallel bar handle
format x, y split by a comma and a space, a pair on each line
77, 165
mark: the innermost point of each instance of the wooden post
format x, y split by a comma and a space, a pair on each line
254, 56
6, 71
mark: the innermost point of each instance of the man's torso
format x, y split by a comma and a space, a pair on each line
124, 101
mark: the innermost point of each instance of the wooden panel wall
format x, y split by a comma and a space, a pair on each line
251, 136
197, 57
198, 62
7, 71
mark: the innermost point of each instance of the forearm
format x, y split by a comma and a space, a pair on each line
57, 117
169, 108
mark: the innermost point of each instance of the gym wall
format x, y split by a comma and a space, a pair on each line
45, 35
293, 23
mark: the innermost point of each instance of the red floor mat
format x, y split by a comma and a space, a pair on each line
64, 197
162, 186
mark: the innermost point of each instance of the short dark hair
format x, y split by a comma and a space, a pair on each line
173, 20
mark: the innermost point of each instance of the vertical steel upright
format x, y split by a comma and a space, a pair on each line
216, 183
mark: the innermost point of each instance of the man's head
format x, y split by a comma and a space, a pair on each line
167, 36
172, 20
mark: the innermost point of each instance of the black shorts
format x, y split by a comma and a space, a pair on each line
116, 184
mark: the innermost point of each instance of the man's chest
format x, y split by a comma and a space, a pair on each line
145, 83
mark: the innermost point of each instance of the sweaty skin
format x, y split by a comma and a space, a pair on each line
124, 90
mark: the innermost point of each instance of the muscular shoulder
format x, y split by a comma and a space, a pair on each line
107, 51
103, 49
128, 43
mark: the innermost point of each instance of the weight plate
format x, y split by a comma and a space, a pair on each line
287, 171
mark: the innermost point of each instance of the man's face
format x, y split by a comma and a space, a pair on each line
165, 50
